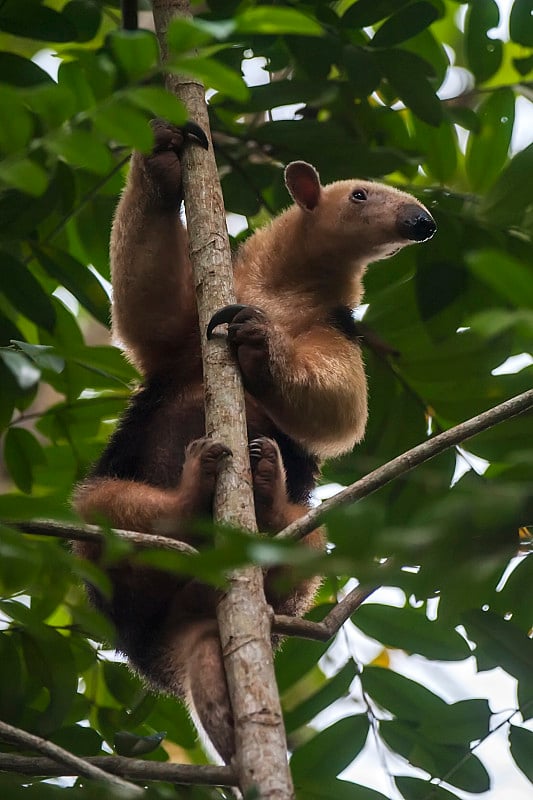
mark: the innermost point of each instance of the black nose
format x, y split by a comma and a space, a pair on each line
415, 224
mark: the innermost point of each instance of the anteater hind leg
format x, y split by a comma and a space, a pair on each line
137, 506
274, 511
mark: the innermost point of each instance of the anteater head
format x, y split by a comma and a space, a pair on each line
356, 219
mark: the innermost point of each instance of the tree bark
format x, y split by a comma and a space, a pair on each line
243, 614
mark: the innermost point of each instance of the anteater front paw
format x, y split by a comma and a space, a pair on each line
163, 165
248, 328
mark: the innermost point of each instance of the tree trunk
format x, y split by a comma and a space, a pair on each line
243, 615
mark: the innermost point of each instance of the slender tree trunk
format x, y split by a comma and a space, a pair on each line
243, 615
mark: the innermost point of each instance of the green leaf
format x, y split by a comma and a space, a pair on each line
81, 149
405, 24
120, 122
24, 174
419, 789
334, 688
23, 370
367, 12
487, 150
275, 20
128, 744
521, 743
85, 17
501, 642
184, 35
521, 23
49, 657
440, 147
337, 789
509, 197
459, 723
136, 52
73, 77
409, 629
22, 452
25, 292
19, 71
158, 102
483, 53
401, 696
213, 74
11, 679
75, 277
362, 69
330, 751
405, 73
37, 22
42, 355
467, 773
17, 125
508, 276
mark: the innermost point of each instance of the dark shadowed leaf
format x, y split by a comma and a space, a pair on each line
406, 73
508, 198
334, 688
85, 16
500, 643
487, 150
521, 23
22, 453
37, 22
331, 750
367, 12
418, 789
76, 278
410, 629
521, 742
19, 71
25, 292
405, 24
467, 773
484, 53
402, 696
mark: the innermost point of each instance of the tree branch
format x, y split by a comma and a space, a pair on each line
407, 461
131, 768
79, 765
243, 614
92, 533
332, 622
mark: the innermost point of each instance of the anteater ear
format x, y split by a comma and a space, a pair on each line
303, 182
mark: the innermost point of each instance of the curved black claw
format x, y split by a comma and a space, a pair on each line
222, 316
192, 129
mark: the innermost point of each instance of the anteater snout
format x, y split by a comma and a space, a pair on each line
415, 223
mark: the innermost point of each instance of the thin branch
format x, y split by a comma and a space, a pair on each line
92, 533
131, 768
407, 461
332, 622
80, 766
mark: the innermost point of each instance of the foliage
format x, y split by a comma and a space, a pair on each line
367, 80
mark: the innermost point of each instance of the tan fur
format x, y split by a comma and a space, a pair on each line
306, 392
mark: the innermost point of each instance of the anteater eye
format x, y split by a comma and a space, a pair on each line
358, 195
